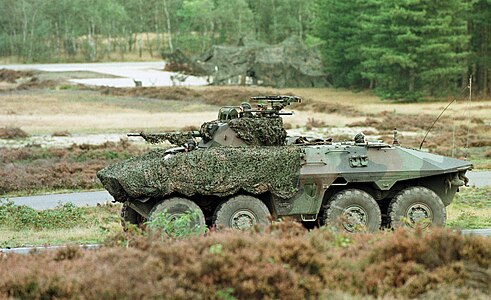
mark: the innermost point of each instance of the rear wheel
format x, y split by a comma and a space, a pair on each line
355, 209
417, 206
176, 207
241, 212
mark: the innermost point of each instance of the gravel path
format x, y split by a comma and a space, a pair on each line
479, 178
50, 201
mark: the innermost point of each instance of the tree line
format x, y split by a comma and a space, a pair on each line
401, 48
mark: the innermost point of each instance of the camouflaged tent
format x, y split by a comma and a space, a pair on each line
288, 64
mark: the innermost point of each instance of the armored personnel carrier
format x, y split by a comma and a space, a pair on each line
241, 169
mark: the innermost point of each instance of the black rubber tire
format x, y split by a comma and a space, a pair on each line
354, 201
177, 206
408, 200
241, 212
129, 216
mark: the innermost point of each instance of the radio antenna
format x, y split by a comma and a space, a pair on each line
468, 118
436, 120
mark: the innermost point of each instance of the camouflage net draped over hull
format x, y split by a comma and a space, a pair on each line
220, 171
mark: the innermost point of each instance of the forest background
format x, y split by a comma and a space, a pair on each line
402, 49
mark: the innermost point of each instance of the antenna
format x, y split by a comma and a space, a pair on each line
436, 120
466, 152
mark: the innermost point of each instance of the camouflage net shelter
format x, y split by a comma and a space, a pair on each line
220, 171
288, 64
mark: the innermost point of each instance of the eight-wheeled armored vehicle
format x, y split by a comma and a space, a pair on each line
242, 169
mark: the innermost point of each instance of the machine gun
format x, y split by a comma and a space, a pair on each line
176, 138
276, 103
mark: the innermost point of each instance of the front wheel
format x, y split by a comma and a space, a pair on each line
417, 206
175, 207
356, 210
241, 212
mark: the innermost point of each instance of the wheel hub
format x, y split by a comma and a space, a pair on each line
355, 216
243, 219
419, 213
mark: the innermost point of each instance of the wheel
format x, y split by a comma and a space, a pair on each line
178, 206
417, 206
357, 209
130, 216
241, 212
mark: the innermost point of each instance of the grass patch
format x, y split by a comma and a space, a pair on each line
471, 209
24, 226
65, 216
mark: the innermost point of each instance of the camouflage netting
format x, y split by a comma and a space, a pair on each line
288, 64
176, 138
260, 131
220, 171
253, 131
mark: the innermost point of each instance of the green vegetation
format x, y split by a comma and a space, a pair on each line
23, 217
24, 226
177, 226
471, 209
404, 49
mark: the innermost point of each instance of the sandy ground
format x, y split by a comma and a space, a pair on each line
82, 112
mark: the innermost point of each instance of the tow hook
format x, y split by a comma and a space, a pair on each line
457, 181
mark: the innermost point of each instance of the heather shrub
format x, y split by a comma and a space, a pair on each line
283, 261
12, 133
32, 168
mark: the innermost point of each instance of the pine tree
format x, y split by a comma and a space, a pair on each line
417, 47
480, 46
337, 24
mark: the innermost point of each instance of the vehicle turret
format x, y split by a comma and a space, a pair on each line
236, 125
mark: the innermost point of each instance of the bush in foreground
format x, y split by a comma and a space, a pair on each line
283, 261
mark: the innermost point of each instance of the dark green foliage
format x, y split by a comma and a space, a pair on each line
416, 47
406, 49
480, 45
338, 23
